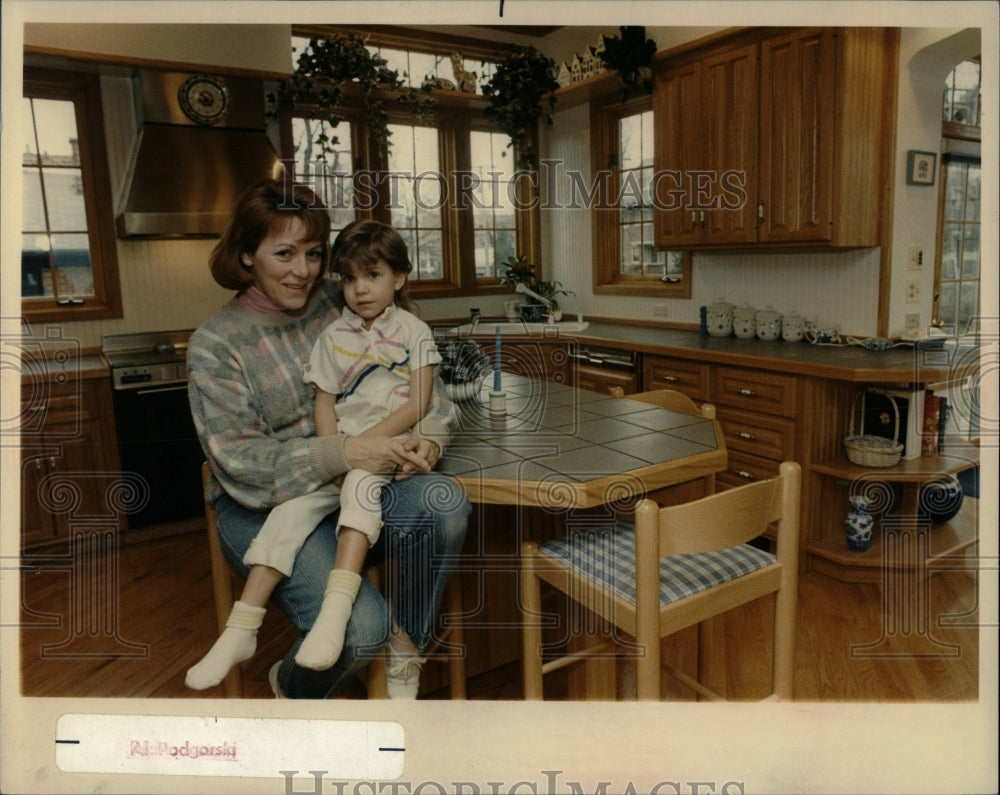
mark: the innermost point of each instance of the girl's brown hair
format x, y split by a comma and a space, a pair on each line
265, 207
363, 243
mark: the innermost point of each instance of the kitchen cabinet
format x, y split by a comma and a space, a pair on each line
706, 149
599, 379
69, 459
682, 375
805, 117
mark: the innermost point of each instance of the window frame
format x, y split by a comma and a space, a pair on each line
456, 115
605, 114
83, 89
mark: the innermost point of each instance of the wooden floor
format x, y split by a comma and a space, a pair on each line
152, 617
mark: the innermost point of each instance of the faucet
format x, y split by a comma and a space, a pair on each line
523, 288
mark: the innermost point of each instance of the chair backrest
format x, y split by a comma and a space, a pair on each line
673, 401
728, 518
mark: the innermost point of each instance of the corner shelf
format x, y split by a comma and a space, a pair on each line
828, 552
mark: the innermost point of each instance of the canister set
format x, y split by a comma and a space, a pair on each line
723, 319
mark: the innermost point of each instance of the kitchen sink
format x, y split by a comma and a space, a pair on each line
521, 327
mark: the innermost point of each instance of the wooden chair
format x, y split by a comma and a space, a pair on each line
227, 584
674, 568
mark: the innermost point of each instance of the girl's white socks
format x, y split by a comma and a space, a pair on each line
325, 641
236, 644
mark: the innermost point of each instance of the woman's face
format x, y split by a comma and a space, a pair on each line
369, 289
285, 266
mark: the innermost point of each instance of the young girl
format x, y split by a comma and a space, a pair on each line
373, 370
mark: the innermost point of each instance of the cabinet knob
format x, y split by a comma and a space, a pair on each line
744, 474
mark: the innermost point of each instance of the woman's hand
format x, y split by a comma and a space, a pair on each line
382, 454
425, 450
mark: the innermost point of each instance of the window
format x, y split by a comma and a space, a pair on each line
627, 261
69, 267
958, 261
962, 94
450, 188
956, 302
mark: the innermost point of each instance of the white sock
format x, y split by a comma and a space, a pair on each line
236, 644
325, 640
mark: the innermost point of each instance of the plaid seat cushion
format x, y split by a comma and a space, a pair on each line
607, 556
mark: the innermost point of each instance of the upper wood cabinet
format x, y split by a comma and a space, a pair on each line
706, 149
782, 138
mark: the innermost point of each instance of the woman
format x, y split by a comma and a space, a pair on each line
253, 412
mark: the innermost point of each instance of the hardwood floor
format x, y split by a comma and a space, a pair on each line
147, 615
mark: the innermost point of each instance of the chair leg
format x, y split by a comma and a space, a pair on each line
531, 634
375, 682
456, 635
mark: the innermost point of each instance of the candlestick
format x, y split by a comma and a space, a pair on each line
496, 363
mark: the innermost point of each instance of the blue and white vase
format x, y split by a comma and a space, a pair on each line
858, 525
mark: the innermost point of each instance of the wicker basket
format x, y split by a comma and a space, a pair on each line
868, 450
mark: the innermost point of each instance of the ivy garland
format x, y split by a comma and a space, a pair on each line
522, 79
321, 73
630, 55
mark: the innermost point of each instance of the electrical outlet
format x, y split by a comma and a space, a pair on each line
912, 320
916, 258
913, 291
660, 310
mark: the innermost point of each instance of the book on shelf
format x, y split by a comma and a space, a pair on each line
933, 426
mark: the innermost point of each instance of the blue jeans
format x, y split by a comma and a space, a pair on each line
425, 518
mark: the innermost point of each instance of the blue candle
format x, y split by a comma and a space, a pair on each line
496, 363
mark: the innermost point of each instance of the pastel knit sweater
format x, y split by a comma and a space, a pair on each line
253, 411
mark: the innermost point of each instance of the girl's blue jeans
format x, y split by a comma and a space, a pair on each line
425, 519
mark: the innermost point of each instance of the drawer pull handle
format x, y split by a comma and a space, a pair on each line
671, 379
746, 392
744, 435
745, 475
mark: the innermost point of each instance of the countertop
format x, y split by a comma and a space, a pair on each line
840, 363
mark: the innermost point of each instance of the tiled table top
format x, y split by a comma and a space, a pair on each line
563, 447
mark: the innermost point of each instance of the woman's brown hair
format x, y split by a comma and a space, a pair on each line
263, 208
363, 243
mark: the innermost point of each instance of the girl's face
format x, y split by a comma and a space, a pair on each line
285, 266
370, 289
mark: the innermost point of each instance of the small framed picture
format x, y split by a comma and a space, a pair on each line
920, 167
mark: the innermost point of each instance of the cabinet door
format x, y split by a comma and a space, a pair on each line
36, 525
796, 143
596, 379
676, 154
729, 125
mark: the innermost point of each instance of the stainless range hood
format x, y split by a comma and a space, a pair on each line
185, 175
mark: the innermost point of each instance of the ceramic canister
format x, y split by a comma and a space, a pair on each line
719, 319
768, 324
792, 328
744, 322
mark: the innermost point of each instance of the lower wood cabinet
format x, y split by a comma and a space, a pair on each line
69, 459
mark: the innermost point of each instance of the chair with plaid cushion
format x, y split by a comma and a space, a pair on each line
671, 568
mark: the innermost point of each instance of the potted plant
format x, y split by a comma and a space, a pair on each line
522, 80
463, 367
630, 55
322, 72
517, 270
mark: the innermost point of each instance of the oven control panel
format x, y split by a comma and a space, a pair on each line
151, 375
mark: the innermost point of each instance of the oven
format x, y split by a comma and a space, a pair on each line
156, 436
